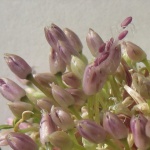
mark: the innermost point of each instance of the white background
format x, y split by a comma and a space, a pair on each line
22, 23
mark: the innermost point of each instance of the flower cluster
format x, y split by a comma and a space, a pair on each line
103, 104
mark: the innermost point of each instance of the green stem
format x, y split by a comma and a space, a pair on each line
125, 143
90, 106
112, 145
48, 146
28, 129
75, 112
146, 63
59, 80
96, 108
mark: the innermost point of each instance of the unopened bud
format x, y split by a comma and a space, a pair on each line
114, 126
62, 118
18, 65
91, 131
20, 141
94, 42
74, 40
10, 90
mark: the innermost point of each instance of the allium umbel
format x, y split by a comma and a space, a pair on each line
80, 104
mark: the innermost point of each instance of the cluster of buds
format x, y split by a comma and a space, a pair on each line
101, 105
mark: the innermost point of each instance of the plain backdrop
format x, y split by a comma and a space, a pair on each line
22, 23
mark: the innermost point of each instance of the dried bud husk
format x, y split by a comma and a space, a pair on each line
62, 118
71, 80
20, 141
94, 42
61, 139
73, 39
18, 108
18, 65
47, 127
135, 53
10, 90
62, 97
91, 131
114, 126
137, 126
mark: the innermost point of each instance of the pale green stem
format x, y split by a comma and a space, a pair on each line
146, 63
96, 108
113, 145
125, 143
90, 106
75, 112
48, 146
28, 129
59, 80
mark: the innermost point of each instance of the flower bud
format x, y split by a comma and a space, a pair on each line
62, 118
78, 66
20, 141
57, 64
135, 53
93, 79
137, 126
18, 108
10, 90
74, 40
18, 65
113, 125
91, 131
126, 22
62, 97
147, 128
61, 140
71, 80
94, 42
47, 127
44, 104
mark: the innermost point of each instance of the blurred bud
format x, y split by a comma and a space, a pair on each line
57, 64
10, 90
24, 125
135, 53
61, 139
147, 128
20, 141
91, 131
122, 35
62, 118
18, 108
126, 22
137, 126
44, 104
94, 42
18, 65
114, 126
47, 127
93, 79
77, 66
78, 95
71, 80
62, 97
74, 40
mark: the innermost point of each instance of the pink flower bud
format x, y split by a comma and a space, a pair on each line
57, 64
47, 127
126, 22
122, 35
62, 118
114, 126
94, 42
10, 90
91, 131
63, 98
18, 65
20, 141
73, 39
137, 126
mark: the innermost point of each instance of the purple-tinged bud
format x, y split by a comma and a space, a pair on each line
114, 126
62, 118
20, 141
18, 108
61, 140
91, 131
73, 39
62, 97
10, 90
122, 35
147, 128
18, 65
57, 64
134, 52
137, 126
47, 127
94, 42
93, 79
44, 104
126, 22
78, 95
71, 80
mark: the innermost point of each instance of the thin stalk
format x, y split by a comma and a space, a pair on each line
96, 108
75, 112
90, 106
28, 129
113, 145
48, 146
146, 63
59, 80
